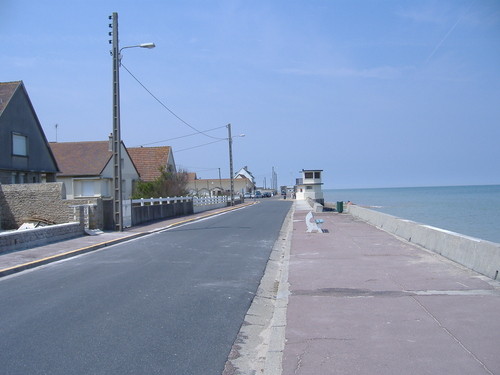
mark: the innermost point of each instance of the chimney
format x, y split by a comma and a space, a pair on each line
110, 142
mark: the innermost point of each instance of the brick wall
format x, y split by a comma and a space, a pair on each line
24, 201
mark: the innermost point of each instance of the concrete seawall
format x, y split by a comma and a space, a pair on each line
476, 254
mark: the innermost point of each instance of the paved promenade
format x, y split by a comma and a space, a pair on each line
364, 302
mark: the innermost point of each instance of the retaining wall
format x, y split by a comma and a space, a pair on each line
22, 239
479, 255
146, 213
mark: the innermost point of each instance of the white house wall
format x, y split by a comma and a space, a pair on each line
129, 174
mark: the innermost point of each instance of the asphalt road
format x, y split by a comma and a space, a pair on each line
168, 303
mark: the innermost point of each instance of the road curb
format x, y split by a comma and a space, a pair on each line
259, 345
87, 249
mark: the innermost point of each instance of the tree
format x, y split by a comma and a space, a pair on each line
168, 184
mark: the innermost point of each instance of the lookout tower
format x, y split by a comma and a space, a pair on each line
309, 186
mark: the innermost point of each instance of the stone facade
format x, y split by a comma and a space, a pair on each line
98, 212
44, 201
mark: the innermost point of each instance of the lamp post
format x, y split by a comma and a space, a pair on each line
117, 153
231, 173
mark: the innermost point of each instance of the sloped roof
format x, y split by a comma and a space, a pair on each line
7, 90
81, 158
148, 160
41, 162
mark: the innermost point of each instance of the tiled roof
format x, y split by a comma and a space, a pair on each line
7, 89
81, 158
148, 160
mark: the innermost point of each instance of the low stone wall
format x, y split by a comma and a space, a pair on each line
476, 254
20, 202
100, 212
22, 239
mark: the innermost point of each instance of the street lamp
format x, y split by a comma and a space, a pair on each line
117, 153
231, 173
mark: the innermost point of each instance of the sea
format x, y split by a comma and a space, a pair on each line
470, 210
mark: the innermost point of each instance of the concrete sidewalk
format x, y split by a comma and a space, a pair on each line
20, 260
364, 302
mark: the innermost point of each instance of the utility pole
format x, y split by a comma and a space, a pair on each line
117, 152
230, 139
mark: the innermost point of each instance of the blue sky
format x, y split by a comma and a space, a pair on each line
375, 93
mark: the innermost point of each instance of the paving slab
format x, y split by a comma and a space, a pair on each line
365, 302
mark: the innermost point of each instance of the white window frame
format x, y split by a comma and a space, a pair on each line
19, 144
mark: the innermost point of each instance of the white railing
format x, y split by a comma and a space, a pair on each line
205, 201
197, 201
200, 204
168, 200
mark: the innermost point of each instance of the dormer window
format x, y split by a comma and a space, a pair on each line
19, 145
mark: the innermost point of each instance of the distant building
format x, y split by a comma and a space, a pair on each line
218, 186
25, 155
244, 172
309, 186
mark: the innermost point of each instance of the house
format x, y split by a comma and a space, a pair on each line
245, 173
25, 155
149, 161
86, 168
309, 186
217, 186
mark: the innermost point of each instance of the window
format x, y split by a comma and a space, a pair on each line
87, 188
309, 175
317, 175
19, 145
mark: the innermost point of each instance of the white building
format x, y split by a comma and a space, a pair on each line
245, 173
86, 169
309, 186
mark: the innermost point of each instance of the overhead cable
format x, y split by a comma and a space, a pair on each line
168, 109
182, 136
205, 144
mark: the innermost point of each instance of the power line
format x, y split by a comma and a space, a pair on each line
205, 144
164, 106
182, 136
